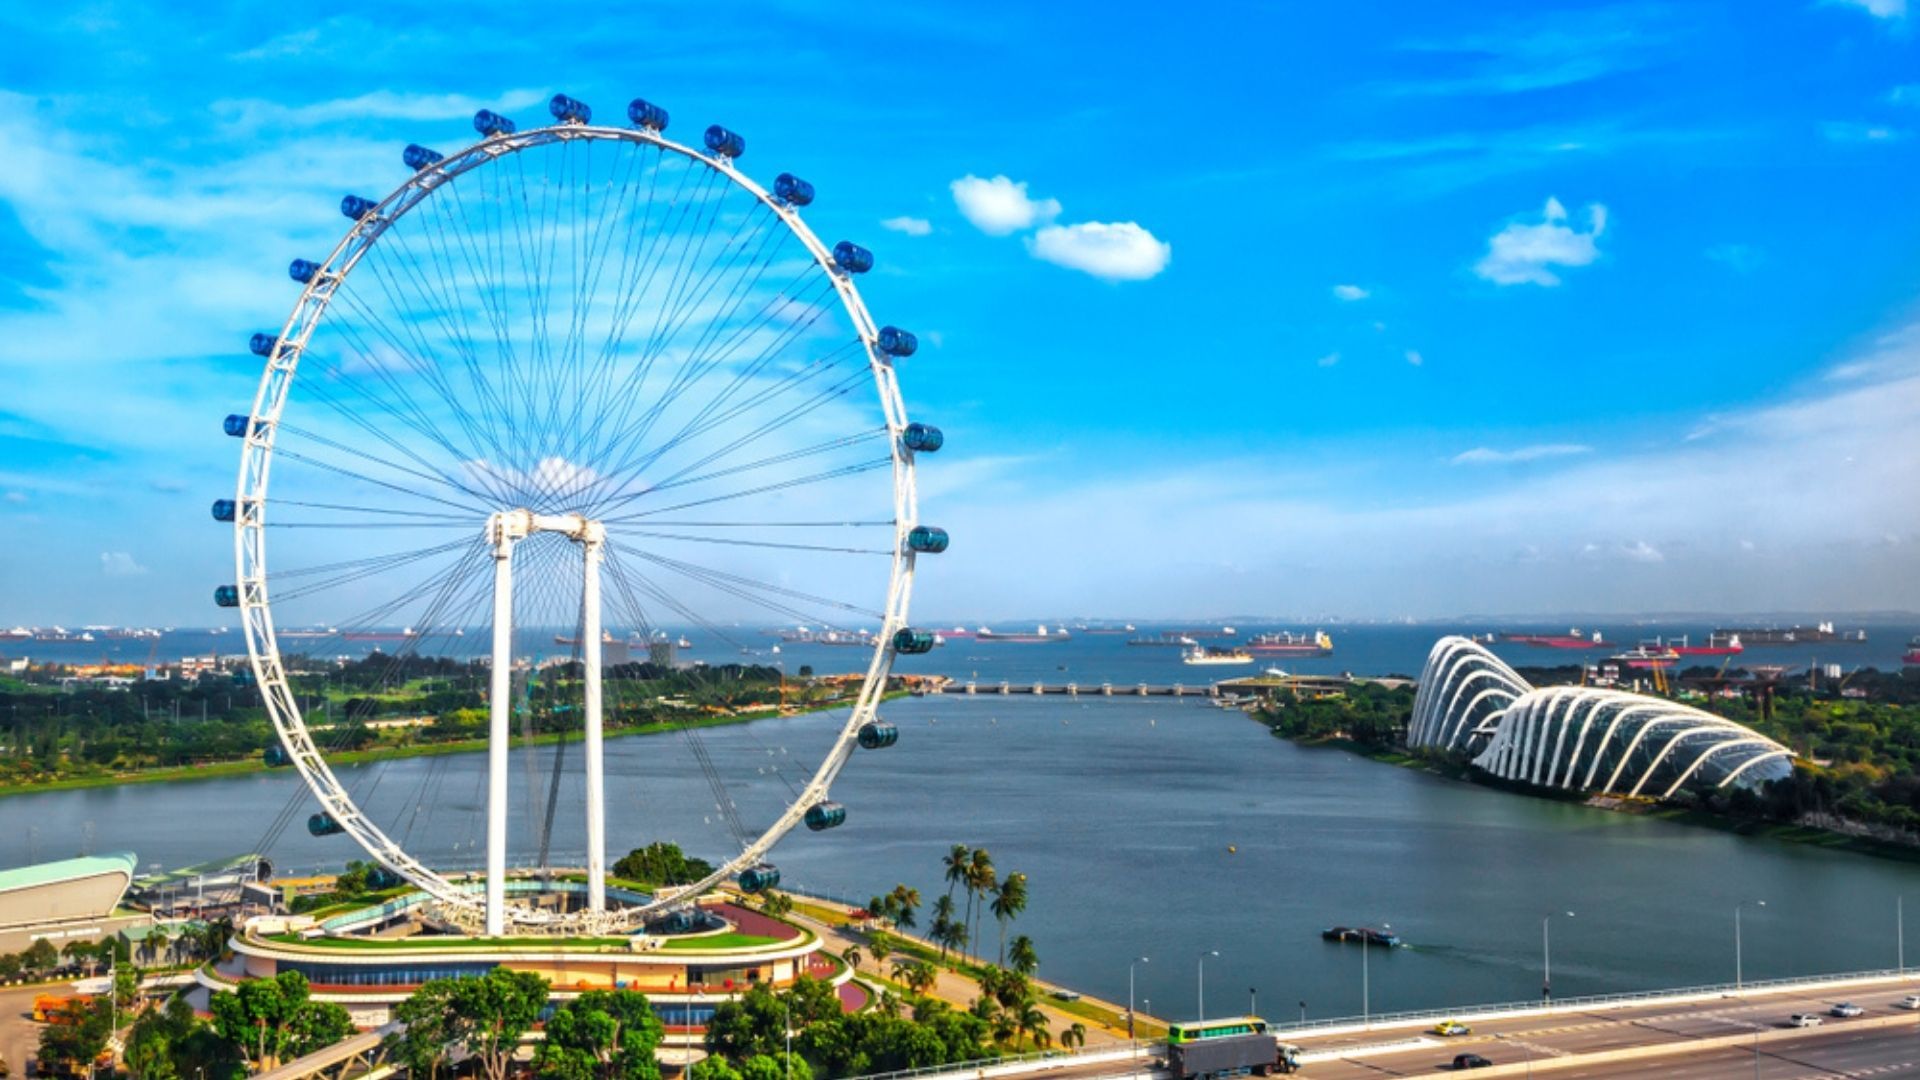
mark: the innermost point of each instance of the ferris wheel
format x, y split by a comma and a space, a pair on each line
579, 388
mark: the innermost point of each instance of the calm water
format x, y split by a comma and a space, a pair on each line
1122, 813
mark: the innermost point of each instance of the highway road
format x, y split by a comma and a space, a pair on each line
19, 1035
1828, 1050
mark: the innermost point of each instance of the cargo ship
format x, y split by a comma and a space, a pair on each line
381, 635
1201, 654
1127, 629
1912, 659
61, 635
1717, 645
1285, 643
1040, 634
1822, 634
804, 636
1165, 638
1572, 639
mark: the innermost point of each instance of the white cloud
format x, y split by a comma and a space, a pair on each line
1641, 551
1481, 455
912, 226
377, 105
119, 564
1523, 254
1001, 206
1116, 251
1414, 357
1328, 360
1854, 131
16, 496
1350, 292
1908, 94
1879, 9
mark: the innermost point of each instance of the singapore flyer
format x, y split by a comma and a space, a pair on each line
568, 402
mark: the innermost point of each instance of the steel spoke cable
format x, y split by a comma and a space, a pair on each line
784, 485
293, 455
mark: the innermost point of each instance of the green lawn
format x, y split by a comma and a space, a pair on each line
729, 940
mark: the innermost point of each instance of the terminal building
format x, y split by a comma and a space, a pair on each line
1580, 738
66, 901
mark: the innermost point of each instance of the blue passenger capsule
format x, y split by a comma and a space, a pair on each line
356, 208
262, 344
302, 270
792, 190
923, 438
826, 815
727, 144
852, 258
322, 824
759, 878
897, 342
276, 756
646, 114
878, 735
927, 539
490, 123
569, 110
235, 425
223, 509
419, 157
382, 878
227, 596
912, 642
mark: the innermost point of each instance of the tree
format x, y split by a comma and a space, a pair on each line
713, 1067
781, 1066
852, 956
1032, 1022
491, 1013
776, 904
1075, 1035
1022, 957
271, 1020
905, 900
661, 863
980, 882
75, 1039
428, 1016
601, 1035
40, 955
353, 880
880, 944
942, 930
1009, 900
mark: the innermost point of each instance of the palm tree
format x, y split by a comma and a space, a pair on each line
905, 900
922, 976
957, 861
1009, 900
1075, 1035
1031, 1021
852, 956
880, 945
1021, 955
980, 882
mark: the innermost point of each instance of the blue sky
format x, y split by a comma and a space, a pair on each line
1367, 309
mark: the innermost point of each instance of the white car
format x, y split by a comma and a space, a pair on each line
1803, 1020
1846, 1010
1911, 1001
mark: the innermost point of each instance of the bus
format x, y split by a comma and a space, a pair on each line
1194, 1030
1235, 1046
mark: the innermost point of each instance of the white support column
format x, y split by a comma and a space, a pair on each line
591, 540
500, 704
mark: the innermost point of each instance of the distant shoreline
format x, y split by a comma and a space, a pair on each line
220, 770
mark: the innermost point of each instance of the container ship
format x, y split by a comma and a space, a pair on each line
804, 636
1822, 634
1201, 654
1284, 643
1040, 634
381, 635
1572, 639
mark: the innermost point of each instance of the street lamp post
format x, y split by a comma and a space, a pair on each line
1546, 957
1201, 1000
1253, 1001
1303, 1012
1738, 973
1900, 933
1366, 987
1131, 964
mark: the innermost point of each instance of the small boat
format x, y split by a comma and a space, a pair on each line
1364, 934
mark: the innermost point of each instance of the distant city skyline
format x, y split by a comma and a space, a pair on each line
1378, 310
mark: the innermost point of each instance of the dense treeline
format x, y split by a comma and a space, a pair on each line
49, 732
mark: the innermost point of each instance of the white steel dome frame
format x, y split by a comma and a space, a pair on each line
250, 554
